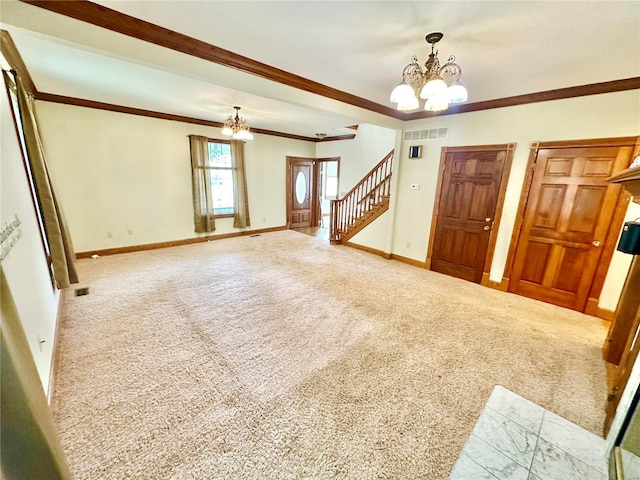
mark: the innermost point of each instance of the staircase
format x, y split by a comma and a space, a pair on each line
363, 204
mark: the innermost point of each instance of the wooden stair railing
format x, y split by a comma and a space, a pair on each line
365, 202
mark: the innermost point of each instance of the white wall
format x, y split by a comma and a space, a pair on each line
25, 265
596, 116
357, 157
117, 173
618, 267
375, 234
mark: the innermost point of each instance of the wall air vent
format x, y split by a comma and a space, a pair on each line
429, 134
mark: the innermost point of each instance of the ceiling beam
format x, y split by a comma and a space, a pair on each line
134, 27
113, 20
14, 59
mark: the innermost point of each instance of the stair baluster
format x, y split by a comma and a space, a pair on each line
365, 202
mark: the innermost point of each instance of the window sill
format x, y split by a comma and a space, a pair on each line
226, 215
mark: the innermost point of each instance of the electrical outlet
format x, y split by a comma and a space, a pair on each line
129, 231
408, 244
109, 235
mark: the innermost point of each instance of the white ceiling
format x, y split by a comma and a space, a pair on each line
504, 49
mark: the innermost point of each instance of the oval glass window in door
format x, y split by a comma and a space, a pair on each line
301, 188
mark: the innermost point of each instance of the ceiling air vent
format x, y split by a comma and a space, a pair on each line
429, 134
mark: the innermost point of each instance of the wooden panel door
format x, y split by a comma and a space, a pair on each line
466, 212
566, 221
301, 188
628, 349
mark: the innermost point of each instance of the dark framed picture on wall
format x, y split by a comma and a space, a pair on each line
415, 151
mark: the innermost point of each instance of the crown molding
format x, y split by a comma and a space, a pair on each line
113, 20
80, 102
545, 96
13, 57
134, 27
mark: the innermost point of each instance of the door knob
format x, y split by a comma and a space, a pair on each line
596, 243
487, 219
486, 228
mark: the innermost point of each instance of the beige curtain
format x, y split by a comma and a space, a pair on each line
30, 447
201, 176
241, 217
62, 254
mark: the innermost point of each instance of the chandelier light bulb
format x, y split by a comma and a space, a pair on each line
243, 135
236, 127
438, 85
410, 103
437, 103
434, 87
401, 92
457, 93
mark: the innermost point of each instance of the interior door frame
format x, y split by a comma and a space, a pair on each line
314, 183
617, 349
509, 148
591, 307
319, 184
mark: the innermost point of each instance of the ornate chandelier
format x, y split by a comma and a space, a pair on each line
237, 127
439, 86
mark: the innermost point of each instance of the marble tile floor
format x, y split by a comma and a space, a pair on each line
515, 439
631, 465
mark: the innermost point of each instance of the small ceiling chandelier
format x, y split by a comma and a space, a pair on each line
237, 127
439, 86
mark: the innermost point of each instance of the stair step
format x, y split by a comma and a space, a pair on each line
370, 201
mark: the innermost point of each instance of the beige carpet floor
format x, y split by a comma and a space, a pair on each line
282, 357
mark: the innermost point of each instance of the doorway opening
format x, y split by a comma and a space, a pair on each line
329, 182
311, 185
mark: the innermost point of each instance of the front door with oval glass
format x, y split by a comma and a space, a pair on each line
301, 187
